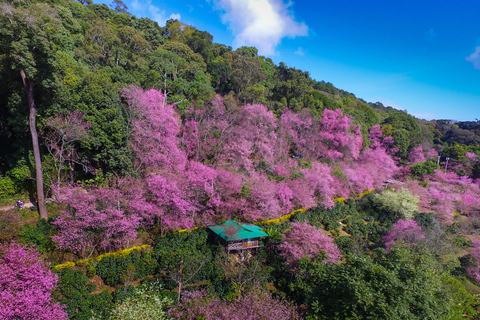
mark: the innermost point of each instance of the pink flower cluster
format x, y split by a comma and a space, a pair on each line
94, 220
256, 305
405, 231
304, 240
26, 284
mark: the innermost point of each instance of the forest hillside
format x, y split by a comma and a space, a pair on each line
126, 141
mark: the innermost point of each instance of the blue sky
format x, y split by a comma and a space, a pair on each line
422, 56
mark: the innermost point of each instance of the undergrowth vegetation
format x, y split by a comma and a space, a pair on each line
149, 135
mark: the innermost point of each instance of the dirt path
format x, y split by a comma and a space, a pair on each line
26, 204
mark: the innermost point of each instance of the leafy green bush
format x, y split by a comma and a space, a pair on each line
401, 284
185, 242
145, 302
7, 188
75, 293
422, 169
39, 235
462, 302
425, 220
401, 203
345, 243
120, 270
329, 218
461, 242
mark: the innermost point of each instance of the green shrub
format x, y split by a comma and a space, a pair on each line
7, 188
123, 269
144, 302
461, 242
39, 235
75, 294
462, 303
344, 243
400, 203
425, 220
423, 168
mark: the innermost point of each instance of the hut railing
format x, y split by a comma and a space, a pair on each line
243, 245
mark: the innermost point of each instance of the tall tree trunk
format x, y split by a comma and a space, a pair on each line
28, 86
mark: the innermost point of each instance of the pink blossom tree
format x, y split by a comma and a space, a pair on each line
266, 199
376, 135
94, 221
303, 195
405, 231
324, 184
416, 156
449, 192
201, 190
172, 208
474, 271
26, 284
252, 138
374, 166
190, 138
255, 305
155, 128
360, 178
296, 131
333, 137
339, 136
304, 240
442, 200
471, 156
207, 127
229, 186
181, 199
379, 142
431, 152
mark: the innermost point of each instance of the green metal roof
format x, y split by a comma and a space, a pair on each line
232, 230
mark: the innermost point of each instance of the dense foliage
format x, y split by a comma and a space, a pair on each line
26, 284
144, 130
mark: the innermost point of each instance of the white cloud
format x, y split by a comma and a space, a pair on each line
260, 23
475, 58
145, 8
300, 52
175, 16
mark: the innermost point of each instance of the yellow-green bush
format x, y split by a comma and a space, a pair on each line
121, 253
364, 193
66, 265
184, 230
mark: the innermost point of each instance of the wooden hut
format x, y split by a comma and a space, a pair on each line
239, 236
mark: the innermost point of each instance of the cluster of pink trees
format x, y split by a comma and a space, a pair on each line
94, 220
405, 231
446, 194
155, 126
229, 161
236, 161
258, 304
222, 160
25, 285
474, 271
304, 240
